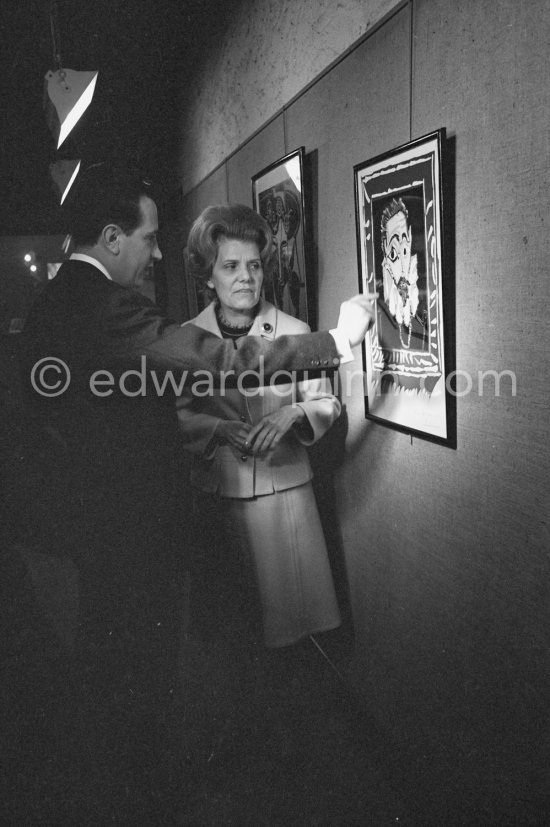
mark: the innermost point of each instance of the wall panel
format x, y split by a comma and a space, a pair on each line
358, 110
213, 190
480, 79
259, 152
349, 115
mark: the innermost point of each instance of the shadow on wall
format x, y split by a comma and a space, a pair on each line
327, 457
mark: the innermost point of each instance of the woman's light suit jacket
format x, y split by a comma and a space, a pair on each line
228, 472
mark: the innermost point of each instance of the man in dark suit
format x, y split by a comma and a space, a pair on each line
100, 363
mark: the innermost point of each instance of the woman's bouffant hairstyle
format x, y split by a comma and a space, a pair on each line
235, 221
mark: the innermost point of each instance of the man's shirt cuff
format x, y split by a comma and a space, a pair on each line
342, 346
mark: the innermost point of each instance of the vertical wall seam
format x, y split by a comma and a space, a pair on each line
411, 66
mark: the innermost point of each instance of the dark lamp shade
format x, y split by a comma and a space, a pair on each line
67, 96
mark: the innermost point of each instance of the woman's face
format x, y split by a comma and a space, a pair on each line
237, 275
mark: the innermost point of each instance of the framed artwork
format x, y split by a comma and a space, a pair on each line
399, 219
278, 195
197, 298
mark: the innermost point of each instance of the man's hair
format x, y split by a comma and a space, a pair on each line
235, 221
104, 194
395, 206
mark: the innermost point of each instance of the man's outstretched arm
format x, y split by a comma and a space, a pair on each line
140, 331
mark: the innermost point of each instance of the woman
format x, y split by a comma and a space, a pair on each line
249, 446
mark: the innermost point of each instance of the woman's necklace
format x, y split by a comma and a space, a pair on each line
230, 330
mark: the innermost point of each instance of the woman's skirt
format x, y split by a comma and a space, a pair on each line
279, 539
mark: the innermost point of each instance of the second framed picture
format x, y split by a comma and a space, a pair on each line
399, 213
278, 195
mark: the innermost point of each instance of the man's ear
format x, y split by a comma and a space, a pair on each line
110, 237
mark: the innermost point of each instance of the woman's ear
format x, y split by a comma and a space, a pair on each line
210, 284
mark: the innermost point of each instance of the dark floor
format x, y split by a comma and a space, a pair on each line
251, 737
219, 759
264, 741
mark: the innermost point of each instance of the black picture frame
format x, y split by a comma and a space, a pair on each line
278, 195
399, 222
196, 292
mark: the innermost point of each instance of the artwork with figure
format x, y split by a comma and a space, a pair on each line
399, 236
401, 275
277, 194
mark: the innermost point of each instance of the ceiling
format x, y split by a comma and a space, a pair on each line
140, 49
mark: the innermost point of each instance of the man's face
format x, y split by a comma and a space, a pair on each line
397, 248
139, 250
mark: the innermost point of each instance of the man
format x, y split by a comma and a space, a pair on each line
96, 357
403, 325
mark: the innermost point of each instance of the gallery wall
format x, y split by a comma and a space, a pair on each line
270, 52
445, 551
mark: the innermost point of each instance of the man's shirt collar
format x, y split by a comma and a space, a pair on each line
90, 260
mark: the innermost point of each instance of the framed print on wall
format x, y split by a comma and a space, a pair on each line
278, 195
399, 220
196, 296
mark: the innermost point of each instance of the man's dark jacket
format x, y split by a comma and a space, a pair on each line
111, 459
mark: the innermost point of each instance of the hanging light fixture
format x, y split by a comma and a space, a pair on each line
67, 93
63, 174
